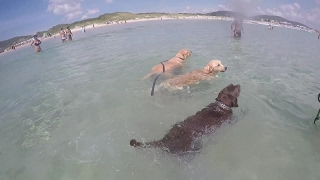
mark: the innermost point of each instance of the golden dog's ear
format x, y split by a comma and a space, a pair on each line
180, 55
207, 67
184, 53
210, 66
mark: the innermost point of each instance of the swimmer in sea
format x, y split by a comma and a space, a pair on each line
237, 27
63, 35
69, 34
36, 43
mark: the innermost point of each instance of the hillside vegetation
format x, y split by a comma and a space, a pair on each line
122, 16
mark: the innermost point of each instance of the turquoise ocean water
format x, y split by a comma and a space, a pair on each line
70, 111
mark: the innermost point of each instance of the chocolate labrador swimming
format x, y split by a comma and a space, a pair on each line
184, 136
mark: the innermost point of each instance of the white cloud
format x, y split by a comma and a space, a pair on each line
69, 8
109, 1
84, 17
243, 6
317, 1
289, 11
93, 11
90, 12
290, 7
274, 12
313, 17
258, 11
294, 12
223, 8
74, 14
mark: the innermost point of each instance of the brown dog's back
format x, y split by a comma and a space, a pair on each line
184, 136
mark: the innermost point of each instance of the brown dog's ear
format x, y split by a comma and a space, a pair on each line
235, 103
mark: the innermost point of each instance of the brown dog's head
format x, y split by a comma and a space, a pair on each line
215, 66
229, 95
183, 54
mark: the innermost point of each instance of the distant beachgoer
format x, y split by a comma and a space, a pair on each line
83, 30
319, 36
36, 43
63, 35
12, 47
237, 27
92, 25
69, 34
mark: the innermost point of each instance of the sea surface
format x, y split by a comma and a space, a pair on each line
70, 111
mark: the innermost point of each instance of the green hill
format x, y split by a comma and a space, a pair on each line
7, 43
108, 17
121, 16
227, 14
279, 19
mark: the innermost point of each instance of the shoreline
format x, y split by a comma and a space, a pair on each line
77, 29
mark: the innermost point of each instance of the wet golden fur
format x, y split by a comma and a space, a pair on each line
171, 64
194, 77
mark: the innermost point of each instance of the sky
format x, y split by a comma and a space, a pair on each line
26, 17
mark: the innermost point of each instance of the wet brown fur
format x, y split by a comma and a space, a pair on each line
182, 136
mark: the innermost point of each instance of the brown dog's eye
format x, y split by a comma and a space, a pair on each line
218, 64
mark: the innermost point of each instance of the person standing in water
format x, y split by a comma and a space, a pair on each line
36, 43
69, 34
237, 27
63, 35
319, 36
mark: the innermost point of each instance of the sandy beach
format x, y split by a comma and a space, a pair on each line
88, 27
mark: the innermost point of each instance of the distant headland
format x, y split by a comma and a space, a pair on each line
120, 17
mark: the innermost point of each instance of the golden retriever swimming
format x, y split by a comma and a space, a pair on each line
171, 64
185, 135
193, 77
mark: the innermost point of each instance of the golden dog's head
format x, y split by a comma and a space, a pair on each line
215, 66
183, 54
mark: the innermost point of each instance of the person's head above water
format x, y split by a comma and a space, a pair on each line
68, 27
61, 29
